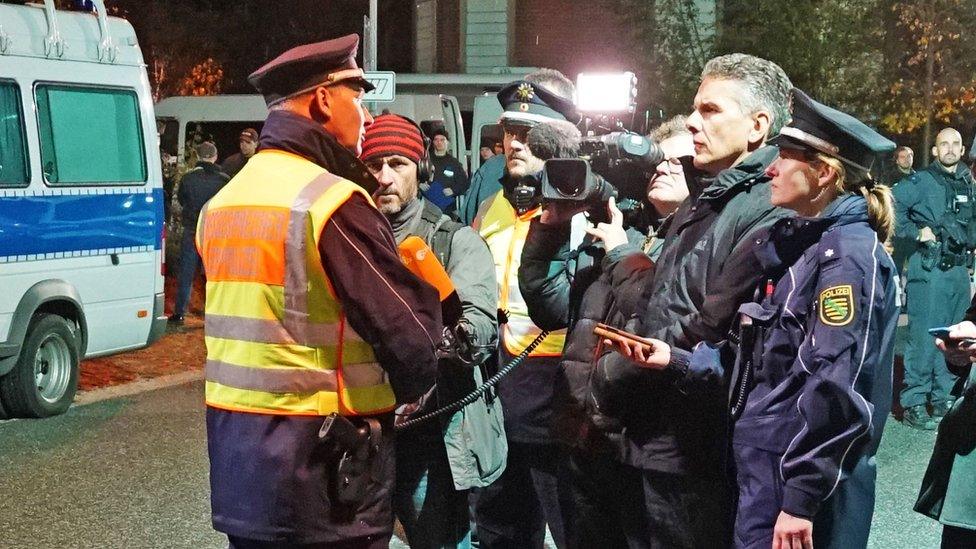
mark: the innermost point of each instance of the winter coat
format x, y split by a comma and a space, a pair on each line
475, 435
706, 269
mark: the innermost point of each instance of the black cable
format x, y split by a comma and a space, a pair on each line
476, 394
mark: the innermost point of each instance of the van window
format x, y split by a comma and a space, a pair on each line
13, 153
90, 136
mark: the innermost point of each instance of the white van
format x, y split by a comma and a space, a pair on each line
81, 201
221, 118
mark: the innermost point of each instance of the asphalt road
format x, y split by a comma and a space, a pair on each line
132, 472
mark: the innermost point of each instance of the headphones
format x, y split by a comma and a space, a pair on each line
425, 168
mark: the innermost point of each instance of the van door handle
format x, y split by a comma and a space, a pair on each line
115, 259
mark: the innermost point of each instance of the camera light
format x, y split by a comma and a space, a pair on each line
606, 92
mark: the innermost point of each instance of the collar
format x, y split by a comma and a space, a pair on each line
405, 221
961, 173
296, 134
751, 171
786, 241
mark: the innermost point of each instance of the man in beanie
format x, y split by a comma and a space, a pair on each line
438, 461
196, 187
315, 329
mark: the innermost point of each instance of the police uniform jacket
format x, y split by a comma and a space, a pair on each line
928, 197
812, 387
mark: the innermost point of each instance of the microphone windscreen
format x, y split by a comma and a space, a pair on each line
554, 139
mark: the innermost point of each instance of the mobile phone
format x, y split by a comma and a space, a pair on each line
942, 332
618, 335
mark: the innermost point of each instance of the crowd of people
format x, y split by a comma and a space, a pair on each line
710, 367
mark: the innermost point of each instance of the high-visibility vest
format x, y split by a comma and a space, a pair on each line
277, 339
505, 231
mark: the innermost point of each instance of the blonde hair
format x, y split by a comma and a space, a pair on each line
881, 204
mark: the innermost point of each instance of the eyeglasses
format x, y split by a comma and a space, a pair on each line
517, 131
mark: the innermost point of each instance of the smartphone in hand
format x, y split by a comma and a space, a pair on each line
621, 336
942, 332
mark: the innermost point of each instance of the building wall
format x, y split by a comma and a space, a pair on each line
569, 35
486, 34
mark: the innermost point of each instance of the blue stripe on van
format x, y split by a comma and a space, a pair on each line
32, 225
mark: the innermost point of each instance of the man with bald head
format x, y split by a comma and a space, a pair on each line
935, 206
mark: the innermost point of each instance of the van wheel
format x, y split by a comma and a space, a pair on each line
44, 381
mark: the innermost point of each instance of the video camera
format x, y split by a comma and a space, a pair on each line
608, 160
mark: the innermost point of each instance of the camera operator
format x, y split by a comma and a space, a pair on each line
706, 269
564, 291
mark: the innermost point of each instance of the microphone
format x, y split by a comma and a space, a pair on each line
554, 139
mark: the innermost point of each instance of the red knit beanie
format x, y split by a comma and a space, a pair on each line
392, 134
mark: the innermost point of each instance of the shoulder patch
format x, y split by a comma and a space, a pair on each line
837, 305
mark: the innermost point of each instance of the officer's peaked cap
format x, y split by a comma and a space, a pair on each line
818, 128
303, 68
529, 103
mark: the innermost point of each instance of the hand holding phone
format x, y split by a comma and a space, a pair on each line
646, 353
942, 332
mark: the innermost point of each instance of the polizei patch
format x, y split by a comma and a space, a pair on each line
837, 305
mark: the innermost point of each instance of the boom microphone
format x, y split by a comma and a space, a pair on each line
554, 139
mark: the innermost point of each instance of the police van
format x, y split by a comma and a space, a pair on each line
185, 121
81, 201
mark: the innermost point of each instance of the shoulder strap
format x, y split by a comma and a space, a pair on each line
443, 234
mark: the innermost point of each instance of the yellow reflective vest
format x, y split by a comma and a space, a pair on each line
277, 339
505, 231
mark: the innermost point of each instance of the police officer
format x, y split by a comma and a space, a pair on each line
812, 382
935, 207
315, 329
533, 492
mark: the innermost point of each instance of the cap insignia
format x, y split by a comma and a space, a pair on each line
525, 92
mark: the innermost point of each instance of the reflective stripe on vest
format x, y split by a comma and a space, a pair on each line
277, 339
505, 233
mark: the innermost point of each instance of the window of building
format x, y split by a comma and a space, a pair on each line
90, 136
13, 150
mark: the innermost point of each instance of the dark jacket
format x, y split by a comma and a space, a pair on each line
233, 164
928, 198
814, 377
948, 492
197, 187
706, 269
449, 182
572, 289
270, 475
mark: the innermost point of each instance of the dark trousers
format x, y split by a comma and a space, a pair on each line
534, 490
433, 514
683, 512
958, 538
935, 298
609, 500
189, 263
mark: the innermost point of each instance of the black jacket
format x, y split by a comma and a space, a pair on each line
706, 269
197, 187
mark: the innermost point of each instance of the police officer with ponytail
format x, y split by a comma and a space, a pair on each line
810, 367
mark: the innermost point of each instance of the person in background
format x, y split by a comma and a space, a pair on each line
486, 151
902, 246
438, 461
450, 180
196, 187
936, 207
248, 144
